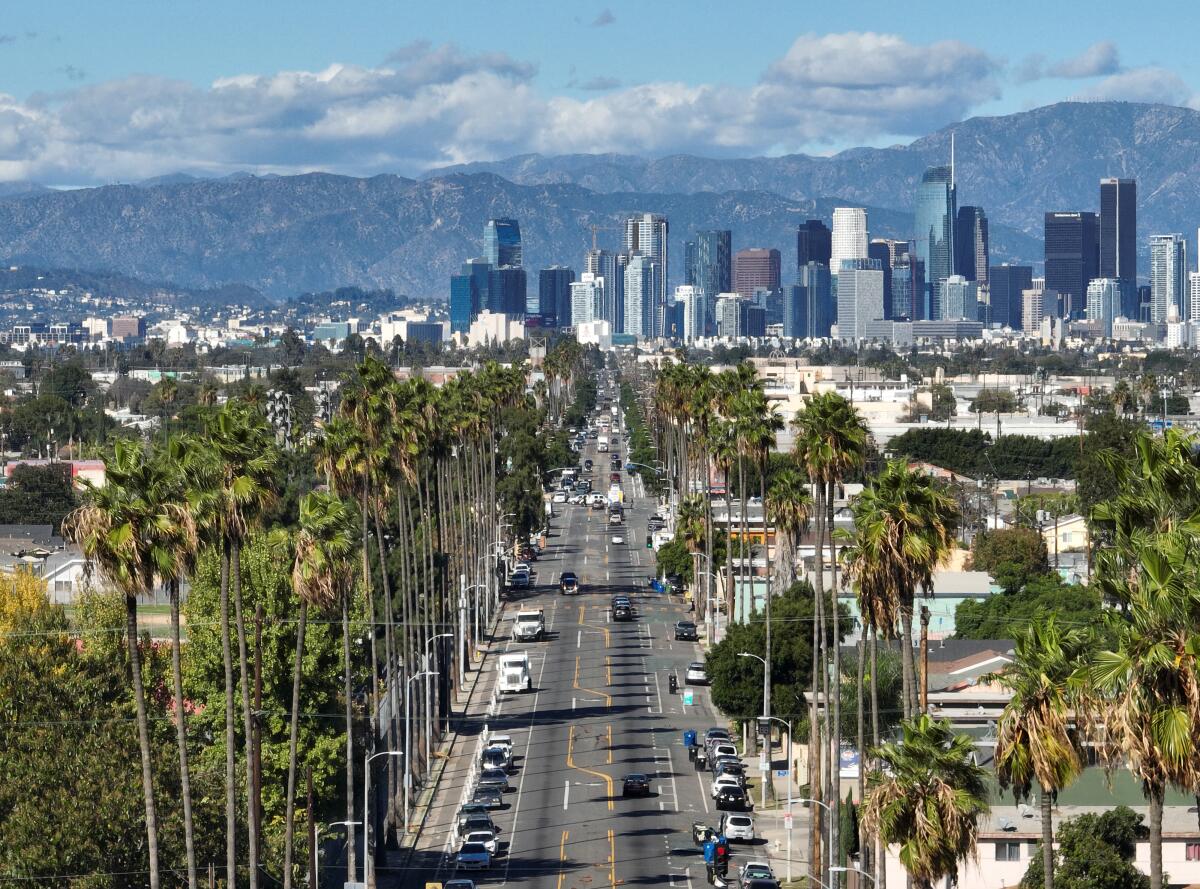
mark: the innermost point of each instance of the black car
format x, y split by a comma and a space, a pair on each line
620, 600
622, 613
686, 630
568, 583
587, 464
492, 797
733, 798
636, 784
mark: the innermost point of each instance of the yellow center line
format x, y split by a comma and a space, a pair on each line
604, 630
608, 781
612, 860
562, 857
608, 669
607, 697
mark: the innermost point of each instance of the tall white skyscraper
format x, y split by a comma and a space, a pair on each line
1194, 295
609, 266
1168, 261
1103, 302
587, 298
860, 297
647, 234
691, 298
643, 279
849, 236
960, 299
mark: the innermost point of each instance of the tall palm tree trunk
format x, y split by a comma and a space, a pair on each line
728, 551
880, 852
143, 728
185, 778
906, 658
230, 730
815, 782
235, 564
289, 823
835, 687
1157, 795
395, 669
348, 693
863, 852
762, 485
1047, 841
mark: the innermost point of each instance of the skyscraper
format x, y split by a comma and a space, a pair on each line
502, 242
610, 267
935, 214
814, 243
1118, 229
755, 268
728, 314
647, 234
712, 270
1103, 302
587, 296
480, 272
960, 299
507, 290
908, 288
1168, 274
691, 299
643, 283
1194, 295
884, 251
1007, 282
554, 295
808, 304
971, 244
464, 302
849, 237
860, 297
1072, 260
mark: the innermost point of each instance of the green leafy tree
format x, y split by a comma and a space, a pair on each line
994, 401
1095, 851
37, 495
69, 381
1005, 614
1012, 556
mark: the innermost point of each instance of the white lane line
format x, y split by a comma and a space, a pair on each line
674, 787
512, 843
658, 691
578, 638
703, 793
566, 793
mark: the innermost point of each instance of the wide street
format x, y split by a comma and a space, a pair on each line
600, 708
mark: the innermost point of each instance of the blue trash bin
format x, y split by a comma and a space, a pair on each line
689, 738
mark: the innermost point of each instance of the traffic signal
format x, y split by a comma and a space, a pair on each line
764, 726
649, 542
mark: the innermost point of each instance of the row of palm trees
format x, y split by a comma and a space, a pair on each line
1136, 703
410, 476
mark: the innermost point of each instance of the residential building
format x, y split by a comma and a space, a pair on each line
1168, 265
502, 243
755, 268
971, 258
1194, 295
554, 295
647, 234
711, 270
611, 267
1072, 260
884, 250
909, 298
643, 283
808, 310
935, 214
960, 299
1103, 303
1033, 303
587, 299
690, 297
860, 297
728, 314
848, 240
814, 243
1005, 284
1118, 229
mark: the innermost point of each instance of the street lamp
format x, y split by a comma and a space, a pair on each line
767, 734
325, 829
408, 742
475, 612
791, 781
853, 870
368, 858
429, 705
824, 806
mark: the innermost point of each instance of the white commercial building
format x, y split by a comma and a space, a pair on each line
1168, 264
860, 297
642, 280
960, 299
587, 299
495, 327
849, 236
1104, 302
691, 298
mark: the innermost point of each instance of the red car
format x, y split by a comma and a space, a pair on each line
615, 477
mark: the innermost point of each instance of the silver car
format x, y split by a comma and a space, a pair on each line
494, 778
473, 856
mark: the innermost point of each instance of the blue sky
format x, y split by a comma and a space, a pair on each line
124, 90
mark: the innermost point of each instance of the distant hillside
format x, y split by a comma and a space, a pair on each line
1017, 166
287, 235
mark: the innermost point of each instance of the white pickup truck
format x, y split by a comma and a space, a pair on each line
529, 626
514, 672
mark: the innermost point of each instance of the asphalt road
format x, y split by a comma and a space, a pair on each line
600, 709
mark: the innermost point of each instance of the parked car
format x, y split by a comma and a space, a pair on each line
477, 821
635, 784
473, 856
458, 884
519, 579
559, 497
722, 765
715, 733
737, 826
488, 796
685, 630
495, 758
721, 782
493, 777
473, 810
753, 870
695, 674
723, 749
487, 839
733, 797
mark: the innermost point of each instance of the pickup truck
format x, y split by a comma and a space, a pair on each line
529, 626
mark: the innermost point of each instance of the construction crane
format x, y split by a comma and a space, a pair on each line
603, 228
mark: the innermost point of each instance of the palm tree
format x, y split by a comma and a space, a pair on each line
928, 800
321, 574
129, 529
1034, 741
724, 453
790, 507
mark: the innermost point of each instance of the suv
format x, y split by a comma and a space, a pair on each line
622, 613
635, 784
685, 631
568, 583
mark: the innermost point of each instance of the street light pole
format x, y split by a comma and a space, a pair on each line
825, 806
429, 705
325, 829
368, 857
766, 754
791, 781
853, 870
408, 746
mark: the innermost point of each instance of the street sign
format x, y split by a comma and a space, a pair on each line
764, 766
787, 823
781, 773
688, 697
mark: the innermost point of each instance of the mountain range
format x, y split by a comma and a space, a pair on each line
288, 234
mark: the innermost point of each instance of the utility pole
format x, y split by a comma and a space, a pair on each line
924, 659
312, 834
257, 725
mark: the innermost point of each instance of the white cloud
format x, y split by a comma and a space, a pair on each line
605, 18
428, 105
1148, 84
1097, 60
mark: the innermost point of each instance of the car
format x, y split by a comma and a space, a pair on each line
622, 613
473, 810
759, 884
458, 884
737, 826
720, 749
728, 765
519, 580
655, 523
695, 674
468, 823
635, 784
598, 502
559, 497
493, 777
473, 856
614, 477
713, 734
522, 566
754, 870
488, 796
685, 630
568, 583
577, 499
487, 839
495, 758
617, 538
587, 464
732, 796
721, 782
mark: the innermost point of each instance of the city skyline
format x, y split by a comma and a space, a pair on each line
96, 97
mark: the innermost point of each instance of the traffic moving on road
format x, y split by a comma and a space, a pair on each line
601, 789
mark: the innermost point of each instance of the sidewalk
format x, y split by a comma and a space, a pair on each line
424, 846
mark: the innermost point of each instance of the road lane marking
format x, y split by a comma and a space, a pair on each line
674, 787
612, 859
575, 684
608, 781
579, 639
703, 793
562, 857
524, 771
566, 793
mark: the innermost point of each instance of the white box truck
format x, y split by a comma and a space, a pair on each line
529, 626
602, 443
514, 672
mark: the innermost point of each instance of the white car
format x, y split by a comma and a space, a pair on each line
487, 839
737, 826
560, 497
723, 781
522, 566
618, 539
695, 674
722, 750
